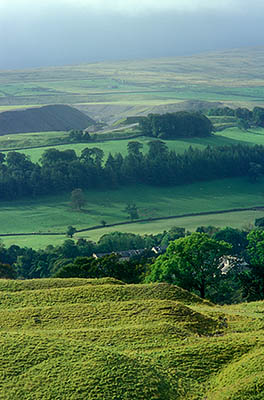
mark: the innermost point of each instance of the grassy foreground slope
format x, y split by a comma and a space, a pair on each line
101, 339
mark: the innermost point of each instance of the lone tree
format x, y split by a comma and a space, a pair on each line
191, 262
132, 211
70, 231
77, 199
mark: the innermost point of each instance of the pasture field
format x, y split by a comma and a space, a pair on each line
227, 137
45, 140
35, 139
101, 339
240, 220
54, 214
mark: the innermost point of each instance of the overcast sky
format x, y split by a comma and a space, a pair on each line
61, 32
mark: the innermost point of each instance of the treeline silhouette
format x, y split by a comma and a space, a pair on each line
61, 171
176, 125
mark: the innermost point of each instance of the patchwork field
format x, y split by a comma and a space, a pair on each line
101, 339
115, 88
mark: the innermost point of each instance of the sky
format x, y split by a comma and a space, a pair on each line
36, 33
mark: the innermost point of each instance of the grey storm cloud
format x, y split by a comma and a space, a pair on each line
57, 32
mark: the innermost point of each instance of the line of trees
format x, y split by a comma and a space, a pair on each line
245, 117
63, 171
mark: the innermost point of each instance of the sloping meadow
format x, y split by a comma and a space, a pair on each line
102, 339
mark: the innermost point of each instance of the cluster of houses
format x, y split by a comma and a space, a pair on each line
128, 254
226, 262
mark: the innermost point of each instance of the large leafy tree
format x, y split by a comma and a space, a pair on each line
256, 246
252, 278
236, 237
191, 262
77, 199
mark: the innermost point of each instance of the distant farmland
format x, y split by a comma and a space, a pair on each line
112, 91
117, 89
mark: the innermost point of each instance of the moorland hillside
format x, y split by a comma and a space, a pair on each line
40, 119
114, 90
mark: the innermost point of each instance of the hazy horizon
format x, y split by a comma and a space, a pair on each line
70, 32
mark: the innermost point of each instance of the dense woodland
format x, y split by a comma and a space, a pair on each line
63, 171
176, 125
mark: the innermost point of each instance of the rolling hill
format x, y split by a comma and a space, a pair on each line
102, 339
47, 118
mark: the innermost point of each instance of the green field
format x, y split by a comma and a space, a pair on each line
54, 214
101, 339
227, 137
112, 91
36, 139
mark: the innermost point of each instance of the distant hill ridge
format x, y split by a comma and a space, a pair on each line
43, 119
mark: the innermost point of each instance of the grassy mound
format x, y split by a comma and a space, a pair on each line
45, 369
37, 284
102, 339
102, 315
248, 371
43, 119
89, 293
